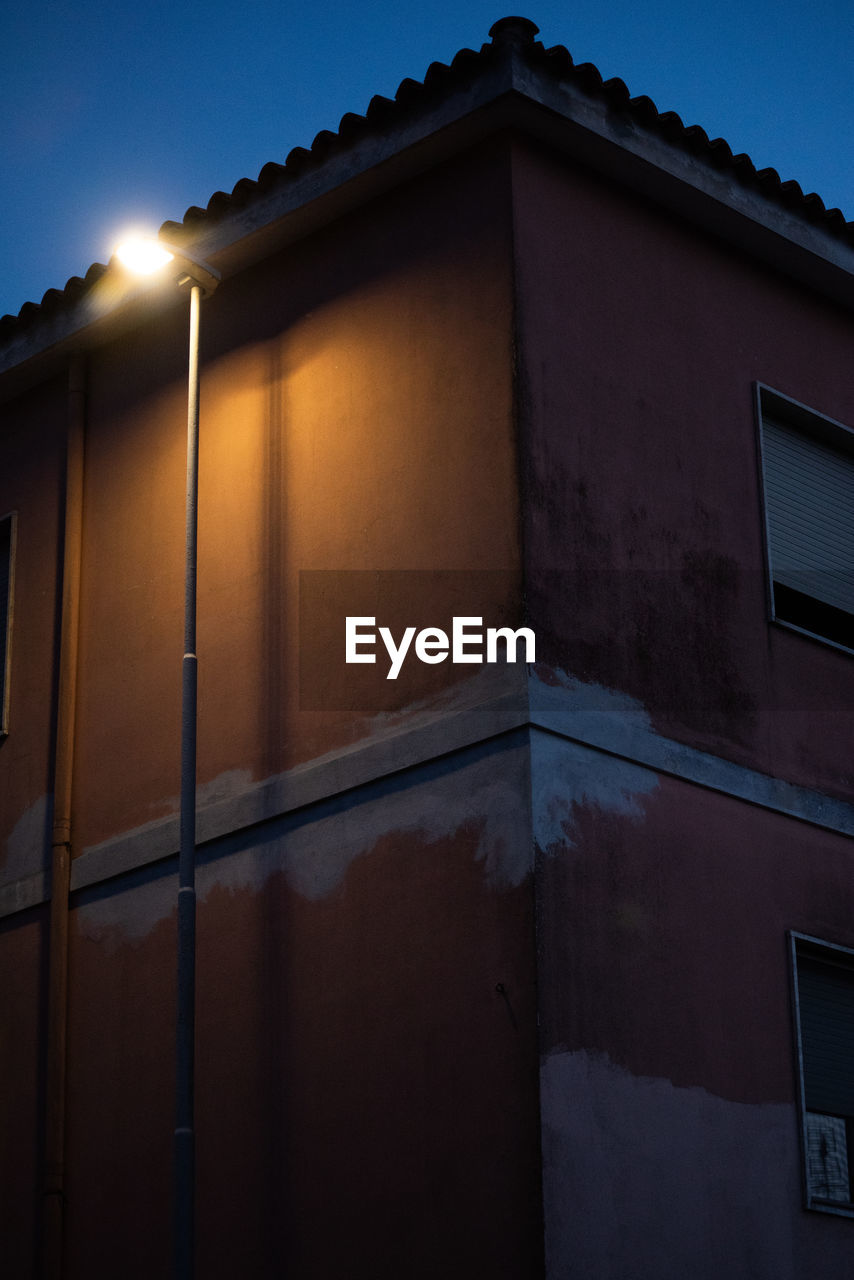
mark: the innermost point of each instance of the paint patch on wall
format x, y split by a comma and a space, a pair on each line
647, 1180
434, 802
585, 710
118, 914
566, 776
233, 782
488, 792
28, 844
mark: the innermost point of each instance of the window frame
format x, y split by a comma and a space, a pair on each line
807, 941
825, 430
6, 618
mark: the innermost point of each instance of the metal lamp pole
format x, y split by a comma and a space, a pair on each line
184, 1152
184, 1149
146, 257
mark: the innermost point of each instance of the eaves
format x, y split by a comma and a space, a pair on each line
511, 84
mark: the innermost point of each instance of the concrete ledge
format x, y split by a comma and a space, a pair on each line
307, 785
663, 755
597, 720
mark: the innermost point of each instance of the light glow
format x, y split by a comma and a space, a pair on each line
142, 256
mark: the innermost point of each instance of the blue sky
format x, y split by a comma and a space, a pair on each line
120, 114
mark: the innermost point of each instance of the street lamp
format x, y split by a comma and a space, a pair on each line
145, 256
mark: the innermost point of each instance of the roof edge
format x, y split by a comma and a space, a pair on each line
513, 81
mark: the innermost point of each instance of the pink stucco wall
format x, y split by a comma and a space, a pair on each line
641, 341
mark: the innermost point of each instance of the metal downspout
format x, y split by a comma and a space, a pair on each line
54, 1157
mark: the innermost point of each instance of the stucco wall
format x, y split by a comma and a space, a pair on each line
356, 415
670, 1126
366, 1082
32, 444
640, 343
366, 1095
377, 991
668, 872
22, 951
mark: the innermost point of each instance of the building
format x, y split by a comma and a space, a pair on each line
508, 970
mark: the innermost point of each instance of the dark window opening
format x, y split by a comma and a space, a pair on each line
813, 615
825, 1000
808, 485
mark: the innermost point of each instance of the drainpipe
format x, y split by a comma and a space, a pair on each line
61, 844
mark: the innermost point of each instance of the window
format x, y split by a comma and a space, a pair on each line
824, 1004
7, 547
808, 476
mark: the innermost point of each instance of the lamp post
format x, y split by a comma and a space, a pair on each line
146, 257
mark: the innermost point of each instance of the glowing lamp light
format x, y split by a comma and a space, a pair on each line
143, 257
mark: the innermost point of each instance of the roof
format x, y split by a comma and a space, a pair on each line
513, 63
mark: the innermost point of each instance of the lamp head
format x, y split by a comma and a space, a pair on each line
145, 255
142, 256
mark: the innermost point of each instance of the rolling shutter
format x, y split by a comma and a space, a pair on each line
809, 497
826, 1000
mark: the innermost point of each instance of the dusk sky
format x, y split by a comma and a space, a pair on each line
120, 114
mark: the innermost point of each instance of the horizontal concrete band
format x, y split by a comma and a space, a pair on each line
630, 738
601, 731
